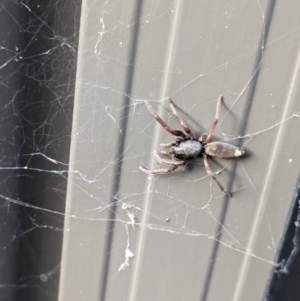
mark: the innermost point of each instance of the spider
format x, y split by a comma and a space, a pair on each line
187, 146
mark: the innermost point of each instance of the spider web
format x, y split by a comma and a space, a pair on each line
77, 211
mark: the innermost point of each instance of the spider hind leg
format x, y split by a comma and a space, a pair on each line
212, 175
212, 129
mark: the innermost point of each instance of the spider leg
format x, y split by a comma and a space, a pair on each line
210, 173
168, 144
174, 165
174, 162
212, 129
203, 138
188, 131
158, 171
177, 140
166, 127
170, 153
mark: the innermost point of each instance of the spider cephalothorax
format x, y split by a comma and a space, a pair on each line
187, 146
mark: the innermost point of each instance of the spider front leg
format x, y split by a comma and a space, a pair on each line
185, 127
165, 126
177, 140
212, 129
174, 165
158, 171
169, 153
174, 162
210, 173
168, 144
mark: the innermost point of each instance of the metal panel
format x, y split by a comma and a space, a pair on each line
129, 236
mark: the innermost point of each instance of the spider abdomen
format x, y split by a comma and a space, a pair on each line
223, 150
187, 149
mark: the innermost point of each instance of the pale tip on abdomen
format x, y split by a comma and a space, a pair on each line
239, 152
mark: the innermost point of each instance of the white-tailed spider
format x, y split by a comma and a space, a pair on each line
187, 146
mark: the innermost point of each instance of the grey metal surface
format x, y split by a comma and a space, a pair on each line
37, 79
129, 236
